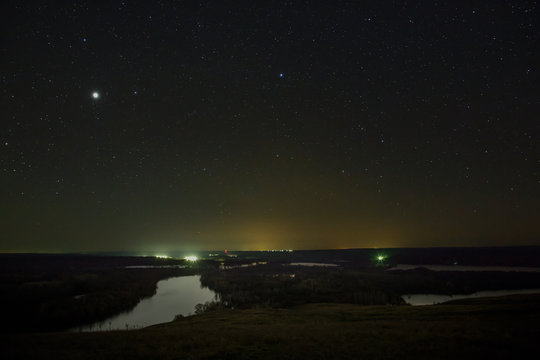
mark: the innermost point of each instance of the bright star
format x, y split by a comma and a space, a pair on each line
95, 95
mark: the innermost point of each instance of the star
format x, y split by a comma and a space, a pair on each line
95, 95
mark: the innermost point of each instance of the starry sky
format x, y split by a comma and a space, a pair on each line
160, 125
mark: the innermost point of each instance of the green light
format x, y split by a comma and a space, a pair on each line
380, 258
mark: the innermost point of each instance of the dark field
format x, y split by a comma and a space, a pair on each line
273, 310
505, 328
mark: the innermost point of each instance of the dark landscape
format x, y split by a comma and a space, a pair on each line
268, 307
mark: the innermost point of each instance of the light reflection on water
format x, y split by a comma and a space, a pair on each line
311, 264
174, 296
465, 268
432, 299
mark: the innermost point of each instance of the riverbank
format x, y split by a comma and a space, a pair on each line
59, 292
494, 328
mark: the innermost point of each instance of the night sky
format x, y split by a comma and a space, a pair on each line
169, 125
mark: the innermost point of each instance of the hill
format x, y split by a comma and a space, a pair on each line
491, 328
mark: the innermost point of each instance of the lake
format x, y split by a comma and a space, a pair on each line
432, 299
311, 264
174, 296
465, 268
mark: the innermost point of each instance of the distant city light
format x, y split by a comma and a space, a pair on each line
191, 258
162, 256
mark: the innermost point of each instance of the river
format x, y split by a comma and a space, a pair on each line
174, 296
432, 299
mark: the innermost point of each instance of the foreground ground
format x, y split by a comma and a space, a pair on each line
492, 329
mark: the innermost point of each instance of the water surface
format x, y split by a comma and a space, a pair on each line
465, 268
311, 264
155, 267
174, 296
432, 299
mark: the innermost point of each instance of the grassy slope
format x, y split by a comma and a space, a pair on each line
493, 328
